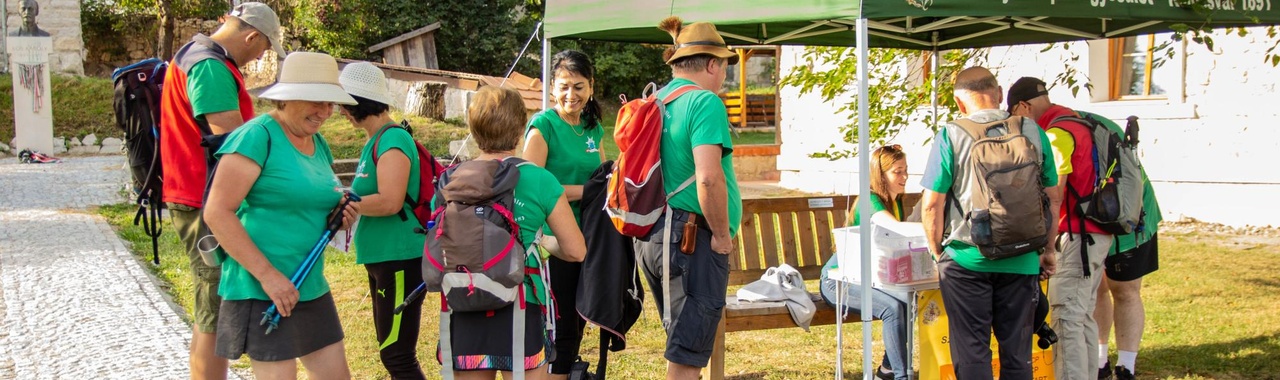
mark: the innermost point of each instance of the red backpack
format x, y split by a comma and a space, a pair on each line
428, 172
636, 196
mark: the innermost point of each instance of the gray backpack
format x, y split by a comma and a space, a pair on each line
473, 254
1114, 202
1009, 212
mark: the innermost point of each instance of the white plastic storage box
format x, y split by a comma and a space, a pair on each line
899, 253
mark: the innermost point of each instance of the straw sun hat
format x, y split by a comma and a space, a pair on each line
311, 77
365, 80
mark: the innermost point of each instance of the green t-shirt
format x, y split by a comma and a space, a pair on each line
696, 118
212, 88
535, 196
285, 210
387, 238
939, 176
876, 206
573, 152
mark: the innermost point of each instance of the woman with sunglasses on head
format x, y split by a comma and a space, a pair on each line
566, 141
888, 183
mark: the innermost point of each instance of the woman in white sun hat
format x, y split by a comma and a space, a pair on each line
267, 206
388, 182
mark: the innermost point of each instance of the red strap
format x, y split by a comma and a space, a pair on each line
679, 91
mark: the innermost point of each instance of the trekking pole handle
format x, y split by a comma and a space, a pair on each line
335, 221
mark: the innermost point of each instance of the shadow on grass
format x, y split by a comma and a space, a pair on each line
1248, 358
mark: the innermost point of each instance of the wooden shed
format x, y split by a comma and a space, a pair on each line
413, 49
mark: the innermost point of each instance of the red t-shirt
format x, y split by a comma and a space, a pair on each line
1083, 173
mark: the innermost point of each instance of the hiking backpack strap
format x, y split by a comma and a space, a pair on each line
408, 201
666, 237
446, 339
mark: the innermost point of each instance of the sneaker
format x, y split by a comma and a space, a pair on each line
1123, 373
881, 374
1104, 373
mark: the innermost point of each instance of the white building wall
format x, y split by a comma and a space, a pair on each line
1208, 148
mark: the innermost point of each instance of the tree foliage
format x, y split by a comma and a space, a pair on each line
477, 36
899, 89
621, 68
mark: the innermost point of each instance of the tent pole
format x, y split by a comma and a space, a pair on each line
933, 77
864, 201
546, 70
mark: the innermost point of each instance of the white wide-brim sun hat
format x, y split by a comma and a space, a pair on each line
309, 77
365, 80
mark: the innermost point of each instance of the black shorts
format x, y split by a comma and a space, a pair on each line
312, 325
481, 340
1135, 263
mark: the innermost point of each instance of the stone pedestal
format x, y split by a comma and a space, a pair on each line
32, 100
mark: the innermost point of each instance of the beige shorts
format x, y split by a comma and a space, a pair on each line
204, 313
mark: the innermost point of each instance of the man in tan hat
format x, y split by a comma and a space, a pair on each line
204, 94
695, 148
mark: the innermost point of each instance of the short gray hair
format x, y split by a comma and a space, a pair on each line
694, 62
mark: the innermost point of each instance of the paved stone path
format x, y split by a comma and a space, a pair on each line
73, 302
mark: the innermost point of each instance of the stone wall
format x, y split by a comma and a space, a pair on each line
1207, 147
105, 53
61, 18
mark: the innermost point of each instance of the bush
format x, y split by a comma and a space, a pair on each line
81, 106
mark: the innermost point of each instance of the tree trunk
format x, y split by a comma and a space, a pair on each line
427, 99
166, 29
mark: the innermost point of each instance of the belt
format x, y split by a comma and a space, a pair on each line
684, 216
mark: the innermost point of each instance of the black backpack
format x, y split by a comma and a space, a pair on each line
137, 107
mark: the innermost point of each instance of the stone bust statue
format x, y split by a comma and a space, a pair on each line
28, 11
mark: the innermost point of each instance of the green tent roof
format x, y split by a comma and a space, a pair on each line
915, 24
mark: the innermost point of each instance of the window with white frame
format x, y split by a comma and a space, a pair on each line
1142, 67
1140, 75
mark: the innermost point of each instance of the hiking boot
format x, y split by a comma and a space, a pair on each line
1104, 373
1123, 373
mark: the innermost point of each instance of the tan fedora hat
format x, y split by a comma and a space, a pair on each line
311, 77
696, 38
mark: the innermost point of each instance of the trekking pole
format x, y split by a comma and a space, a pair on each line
272, 316
417, 292
412, 297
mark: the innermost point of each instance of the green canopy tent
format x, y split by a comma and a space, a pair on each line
914, 24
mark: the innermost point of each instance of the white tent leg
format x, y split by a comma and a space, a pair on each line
546, 71
864, 201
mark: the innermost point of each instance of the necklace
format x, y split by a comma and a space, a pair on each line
571, 126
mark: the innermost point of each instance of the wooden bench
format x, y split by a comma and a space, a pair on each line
759, 109
793, 231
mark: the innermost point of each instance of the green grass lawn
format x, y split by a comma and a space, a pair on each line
1207, 317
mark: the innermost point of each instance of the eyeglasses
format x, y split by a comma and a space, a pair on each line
892, 148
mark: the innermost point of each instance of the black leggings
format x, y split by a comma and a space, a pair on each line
389, 283
569, 325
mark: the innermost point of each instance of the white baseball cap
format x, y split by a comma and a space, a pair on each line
261, 17
365, 80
